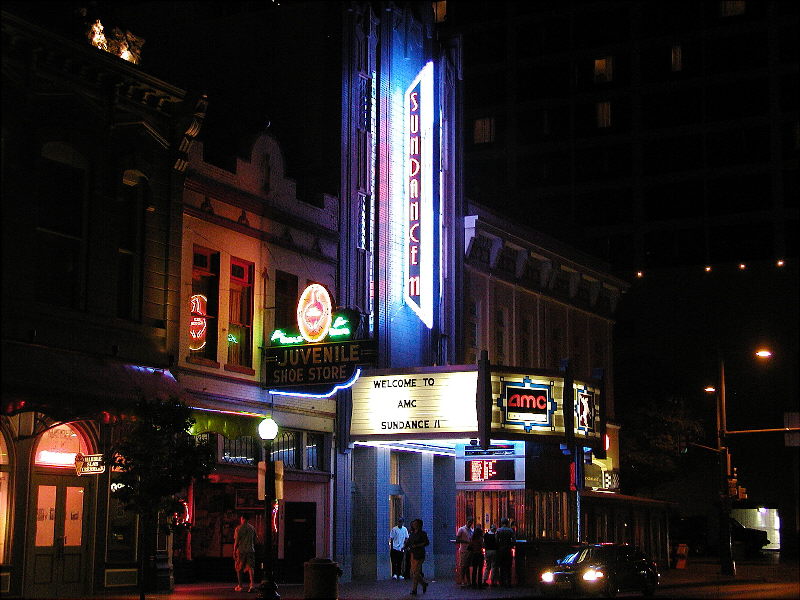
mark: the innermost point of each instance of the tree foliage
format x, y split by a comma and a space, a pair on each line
157, 457
653, 437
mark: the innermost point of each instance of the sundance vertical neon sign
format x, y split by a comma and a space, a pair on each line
419, 195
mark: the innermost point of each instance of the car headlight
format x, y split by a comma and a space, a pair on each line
592, 575
548, 577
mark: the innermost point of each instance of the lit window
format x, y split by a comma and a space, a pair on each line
440, 11
203, 304
731, 8
5, 481
603, 69
244, 450
603, 114
315, 452
484, 130
240, 322
677, 58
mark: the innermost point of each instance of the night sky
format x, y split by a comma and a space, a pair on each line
266, 63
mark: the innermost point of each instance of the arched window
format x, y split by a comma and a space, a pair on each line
5, 491
58, 446
61, 193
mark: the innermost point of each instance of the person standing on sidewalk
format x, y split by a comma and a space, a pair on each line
490, 545
244, 552
476, 557
416, 545
505, 542
397, 542
463, 538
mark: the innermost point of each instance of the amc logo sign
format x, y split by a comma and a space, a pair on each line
527, 403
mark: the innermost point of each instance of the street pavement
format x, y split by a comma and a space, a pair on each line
700, 572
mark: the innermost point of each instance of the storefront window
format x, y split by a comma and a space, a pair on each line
58, 446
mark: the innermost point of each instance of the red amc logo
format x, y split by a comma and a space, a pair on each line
528, 403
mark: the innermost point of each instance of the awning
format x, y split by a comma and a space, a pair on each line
230, 424
71, 385
623, 498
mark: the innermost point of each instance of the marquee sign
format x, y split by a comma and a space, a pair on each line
528, 404
419, 195
420, 404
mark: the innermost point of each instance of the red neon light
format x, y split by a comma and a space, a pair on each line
275, 517
198, 326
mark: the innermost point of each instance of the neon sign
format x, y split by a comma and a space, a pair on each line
198, 326
314, 313
528, 403
418, 292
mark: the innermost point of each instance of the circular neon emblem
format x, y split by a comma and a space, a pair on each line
314, 311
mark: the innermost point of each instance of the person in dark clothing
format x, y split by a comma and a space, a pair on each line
490, 545
505, 542
476, 557
416, 543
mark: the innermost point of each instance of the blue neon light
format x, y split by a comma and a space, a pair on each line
335, 389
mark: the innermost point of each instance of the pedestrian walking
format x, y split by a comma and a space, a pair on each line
397, 543
476, 558
505, 542
416, 543
244, 552
490, 552
463, 538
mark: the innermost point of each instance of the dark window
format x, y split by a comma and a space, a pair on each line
244, 450
204, 304
240, 322
315, 452
747, 241
481, 249
129, 210
742, 194
62, 188
286, 447
674, 200
285, 300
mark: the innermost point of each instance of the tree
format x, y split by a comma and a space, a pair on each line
156, 458
653, 437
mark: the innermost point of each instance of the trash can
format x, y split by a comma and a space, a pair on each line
321, 579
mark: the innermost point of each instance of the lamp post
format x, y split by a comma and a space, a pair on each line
267, 430
727, 564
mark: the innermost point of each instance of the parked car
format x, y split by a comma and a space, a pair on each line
601, 569
753, 540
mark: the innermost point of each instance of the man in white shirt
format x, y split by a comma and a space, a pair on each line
397, 541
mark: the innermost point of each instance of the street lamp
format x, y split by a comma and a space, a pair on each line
727, 564
267, 430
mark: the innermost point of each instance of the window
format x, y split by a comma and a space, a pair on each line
731, 8
473, 336
500, 335
603, 110
315, 452
204, 304
481, 249
287, 448
604, 69
285, 300
440, 11
62, 188
240, 322
129, 223
483, 132
677, 58
244, 450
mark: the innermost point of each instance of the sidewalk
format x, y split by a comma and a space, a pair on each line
699, 572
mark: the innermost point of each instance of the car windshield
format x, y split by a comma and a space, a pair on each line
587, 554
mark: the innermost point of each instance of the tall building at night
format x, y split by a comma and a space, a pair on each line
650, 134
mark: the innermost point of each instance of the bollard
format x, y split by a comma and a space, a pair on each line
321, 579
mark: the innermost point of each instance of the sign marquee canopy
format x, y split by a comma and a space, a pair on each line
440, 402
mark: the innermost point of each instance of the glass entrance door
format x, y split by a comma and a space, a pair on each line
58, 557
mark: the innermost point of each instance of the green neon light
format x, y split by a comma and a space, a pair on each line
338, 329
232, 339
